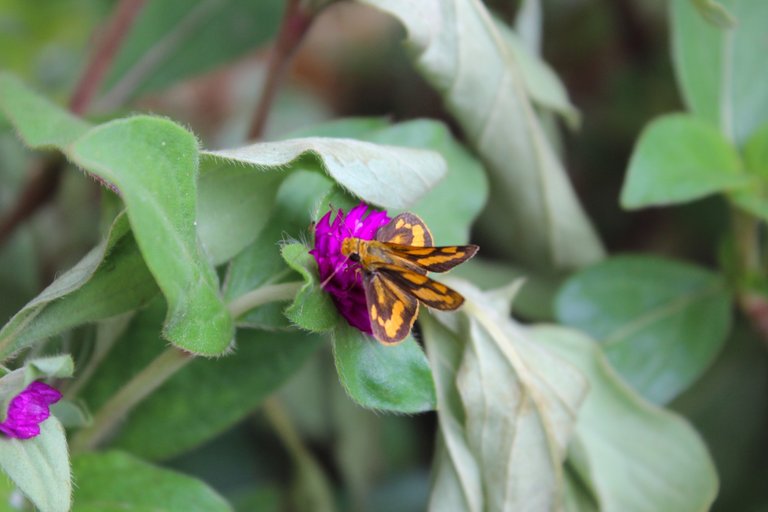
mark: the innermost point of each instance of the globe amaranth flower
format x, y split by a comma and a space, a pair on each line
339, 275
28, 409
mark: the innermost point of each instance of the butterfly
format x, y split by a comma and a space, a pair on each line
394, 267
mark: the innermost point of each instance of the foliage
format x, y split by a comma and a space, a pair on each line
167, 288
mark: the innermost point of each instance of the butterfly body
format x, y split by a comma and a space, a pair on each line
394, 267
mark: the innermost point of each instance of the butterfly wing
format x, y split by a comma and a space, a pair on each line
391, 309
432, 293
405, 229
433, 259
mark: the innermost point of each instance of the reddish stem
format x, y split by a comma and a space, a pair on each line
44, 178
118, 26
294, 26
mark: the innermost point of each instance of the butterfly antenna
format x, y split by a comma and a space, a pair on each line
335, 271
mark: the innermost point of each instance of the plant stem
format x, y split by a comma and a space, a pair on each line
294, 26
45, 176
133, 392
263, 295
119, 24
162, 368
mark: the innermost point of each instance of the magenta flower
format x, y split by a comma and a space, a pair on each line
28, 409
340, 276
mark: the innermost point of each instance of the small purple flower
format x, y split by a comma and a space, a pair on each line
341, 277
28, 409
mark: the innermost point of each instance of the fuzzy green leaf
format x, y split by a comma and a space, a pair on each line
661, 323
225, 390
109, 280
114, 481
154, 164
40, 466
373, 172
389, 378
634, 456
312, 309
679, 158
40, 123
457, 47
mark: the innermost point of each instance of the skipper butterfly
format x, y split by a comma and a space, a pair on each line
394, 267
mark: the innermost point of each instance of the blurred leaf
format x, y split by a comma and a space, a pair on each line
715, 13
40, 123
635, 456
754, 198
535, 299
528, 25
109, 280
154, 164
260, 263
577, 496
518, 406
375, 173
389, 378
719, 72
224, 390
661, 323
174, 39
541, 83
44, 41
71, 414
114, 481
312, 309
679, 158
726, 406
457, 47
40, 466
233, 207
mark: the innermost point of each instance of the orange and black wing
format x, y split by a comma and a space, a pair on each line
433, 259
405, 229
432, 293
392, 310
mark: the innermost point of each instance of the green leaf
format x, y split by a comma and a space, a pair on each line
470, 64
464, 188
109, 280
715, 13
40, 466
634, 456
312, 309
390, 378
225, 390
177, 39
373, 172
114, 481
754, 198
40, 123
234, 204
260, 263
661, 323
504, 402
154, 164
677, 159
719, 72
541, 83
